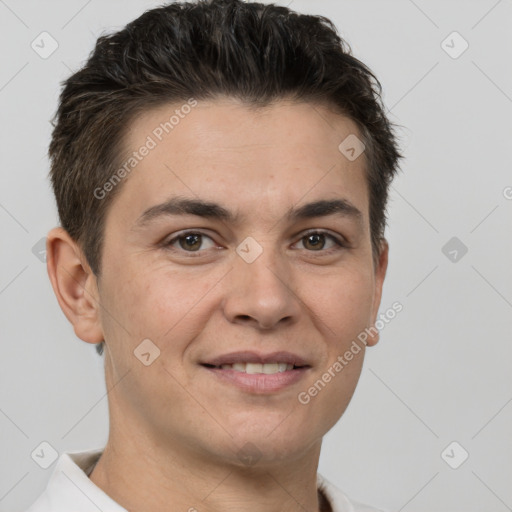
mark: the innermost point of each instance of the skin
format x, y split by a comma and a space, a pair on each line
175, 429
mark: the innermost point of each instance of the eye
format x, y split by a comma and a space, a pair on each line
194, 242
315, 241
189, 241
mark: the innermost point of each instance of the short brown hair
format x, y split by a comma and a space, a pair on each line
205, 49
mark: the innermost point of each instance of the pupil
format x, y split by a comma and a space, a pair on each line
316, 238
194, 239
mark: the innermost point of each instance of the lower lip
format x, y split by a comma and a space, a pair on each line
259, 382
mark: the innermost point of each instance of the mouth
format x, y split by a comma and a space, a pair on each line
255, 368
258, 373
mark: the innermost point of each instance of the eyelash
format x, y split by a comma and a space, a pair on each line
340, 245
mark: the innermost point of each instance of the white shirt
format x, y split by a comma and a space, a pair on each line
69, 489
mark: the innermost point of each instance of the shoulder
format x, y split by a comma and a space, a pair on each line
69, 487
339, 501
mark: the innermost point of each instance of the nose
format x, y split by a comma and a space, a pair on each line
260, 294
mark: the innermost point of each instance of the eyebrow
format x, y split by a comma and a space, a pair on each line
207, 209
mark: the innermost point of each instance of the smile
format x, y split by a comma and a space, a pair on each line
257, 373
252, 368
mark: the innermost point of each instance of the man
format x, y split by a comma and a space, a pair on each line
221, 171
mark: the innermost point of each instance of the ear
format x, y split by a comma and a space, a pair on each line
380, 274
74, 284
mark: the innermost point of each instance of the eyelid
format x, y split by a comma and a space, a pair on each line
167, 241
339, 240
336, 236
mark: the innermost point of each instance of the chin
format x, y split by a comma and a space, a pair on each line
265, 448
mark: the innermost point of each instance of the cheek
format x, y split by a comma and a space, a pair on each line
159, 305
347, 310
344, 304
342, 387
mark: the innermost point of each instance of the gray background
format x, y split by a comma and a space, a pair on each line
441, 372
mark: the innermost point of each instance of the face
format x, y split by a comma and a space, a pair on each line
250, 299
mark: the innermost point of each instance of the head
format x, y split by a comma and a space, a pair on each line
245, 107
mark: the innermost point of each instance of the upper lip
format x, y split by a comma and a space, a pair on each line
255, 357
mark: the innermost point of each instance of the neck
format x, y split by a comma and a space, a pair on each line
172, 481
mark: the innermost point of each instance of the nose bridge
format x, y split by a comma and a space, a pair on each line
260, 268
260, 286
266, 270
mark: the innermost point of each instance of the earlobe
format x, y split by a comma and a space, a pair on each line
74, 285
380, 274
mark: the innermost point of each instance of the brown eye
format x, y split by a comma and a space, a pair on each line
318, 241
190, 241
315, 241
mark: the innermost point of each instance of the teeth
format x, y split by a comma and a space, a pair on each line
270, 368
251, 368
254, 368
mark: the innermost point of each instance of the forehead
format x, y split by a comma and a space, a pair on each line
226, 152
